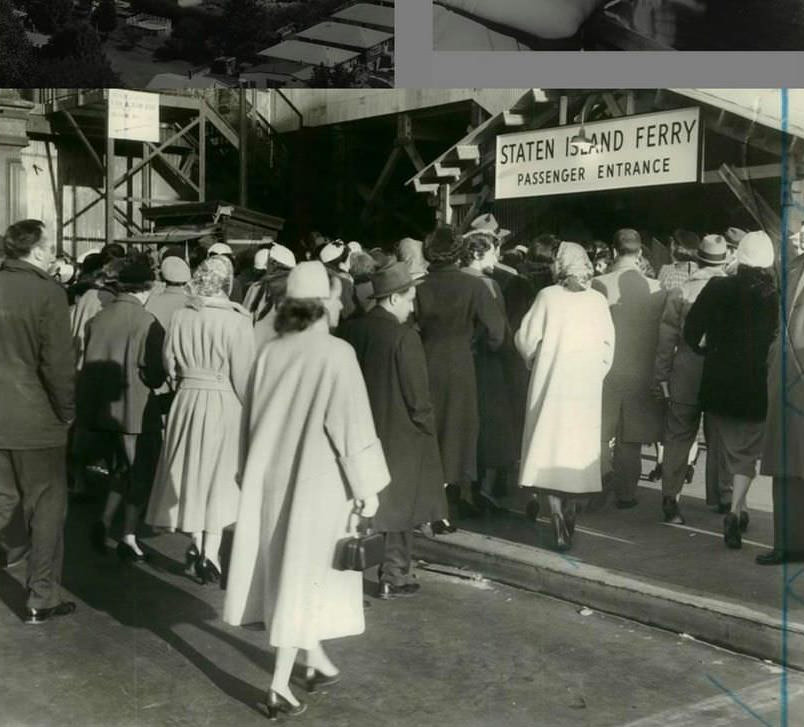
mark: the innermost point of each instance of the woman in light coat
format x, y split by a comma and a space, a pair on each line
208, 355
313, 458
567, 341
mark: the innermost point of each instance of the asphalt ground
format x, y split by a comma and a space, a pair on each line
146, 647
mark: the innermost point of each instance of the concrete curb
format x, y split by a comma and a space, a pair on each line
724, 623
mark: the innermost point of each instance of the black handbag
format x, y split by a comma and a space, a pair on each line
362, 551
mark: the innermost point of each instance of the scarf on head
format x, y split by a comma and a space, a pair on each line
212, 278
574, 270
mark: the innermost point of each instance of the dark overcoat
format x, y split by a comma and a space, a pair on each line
37, 359
497, 443
392, 359
452, 308
739, 324
122, 367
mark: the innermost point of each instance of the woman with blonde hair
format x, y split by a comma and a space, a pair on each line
207, 354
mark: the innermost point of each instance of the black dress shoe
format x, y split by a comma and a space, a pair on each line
671, 512
626, 504
731, 531
98, 538
315, 680
777, 557
40, 615
656, 473
389, 591
207, 571
126, 553
532, 509
442, 527
275, 704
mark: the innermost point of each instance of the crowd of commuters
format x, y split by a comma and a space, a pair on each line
414, 386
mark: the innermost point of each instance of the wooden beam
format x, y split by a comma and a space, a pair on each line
472, 212
414, 155
78, 131
109, 228
510, 119
202, 154
467, 152
468, 174
760, 171
753, 202
171, 166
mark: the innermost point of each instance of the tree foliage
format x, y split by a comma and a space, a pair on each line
74, 58
16, 53
105, 16
246, 30
47, 16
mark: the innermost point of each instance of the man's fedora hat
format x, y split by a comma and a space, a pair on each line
712, 250
392, 278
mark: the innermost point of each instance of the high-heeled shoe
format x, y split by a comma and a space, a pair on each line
207, 571
562, 537
315, 680
276, 704
191, 558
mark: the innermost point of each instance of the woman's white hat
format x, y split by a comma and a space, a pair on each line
308, 280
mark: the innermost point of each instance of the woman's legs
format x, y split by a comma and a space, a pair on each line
285, 656
316, 658
198, 541
741, 485
212, 544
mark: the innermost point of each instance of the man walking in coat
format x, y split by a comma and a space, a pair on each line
392, 359
37, 388
116, 400
677, 375
632, 414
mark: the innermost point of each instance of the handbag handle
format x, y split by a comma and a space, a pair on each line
364, 524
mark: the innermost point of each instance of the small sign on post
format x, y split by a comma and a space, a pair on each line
133, 115
631, 151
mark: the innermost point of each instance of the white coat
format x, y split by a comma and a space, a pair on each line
312, 450
209, 353
567, 340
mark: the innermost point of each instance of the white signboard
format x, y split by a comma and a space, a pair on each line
133, 115
632, 151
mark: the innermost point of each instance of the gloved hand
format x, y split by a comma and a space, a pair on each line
369, 506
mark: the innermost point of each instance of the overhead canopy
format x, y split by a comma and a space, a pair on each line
535, 110
744, 143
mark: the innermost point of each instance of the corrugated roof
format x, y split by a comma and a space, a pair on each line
365, 13
309, 53
353, 36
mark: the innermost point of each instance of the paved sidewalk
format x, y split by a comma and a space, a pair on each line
687, 565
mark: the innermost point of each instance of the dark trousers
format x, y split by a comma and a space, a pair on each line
37, 478
719, 484
680, 430
395, 568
